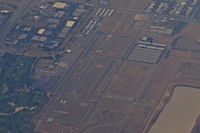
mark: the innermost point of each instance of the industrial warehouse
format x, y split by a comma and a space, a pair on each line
58, 19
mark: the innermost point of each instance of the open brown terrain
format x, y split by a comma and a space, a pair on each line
103, 91
94, 85
134, 5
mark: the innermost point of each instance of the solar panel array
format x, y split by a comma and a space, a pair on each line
146, 53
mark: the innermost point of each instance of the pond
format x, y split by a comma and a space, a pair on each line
180, 114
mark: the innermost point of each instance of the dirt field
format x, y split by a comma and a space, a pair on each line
134, 5
192, 31
101, 91
116, 47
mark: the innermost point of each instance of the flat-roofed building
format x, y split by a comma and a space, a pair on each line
39, 38
70, 23
162, 30
5, 11
41, 31
22, 36
59, 5
103, 2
